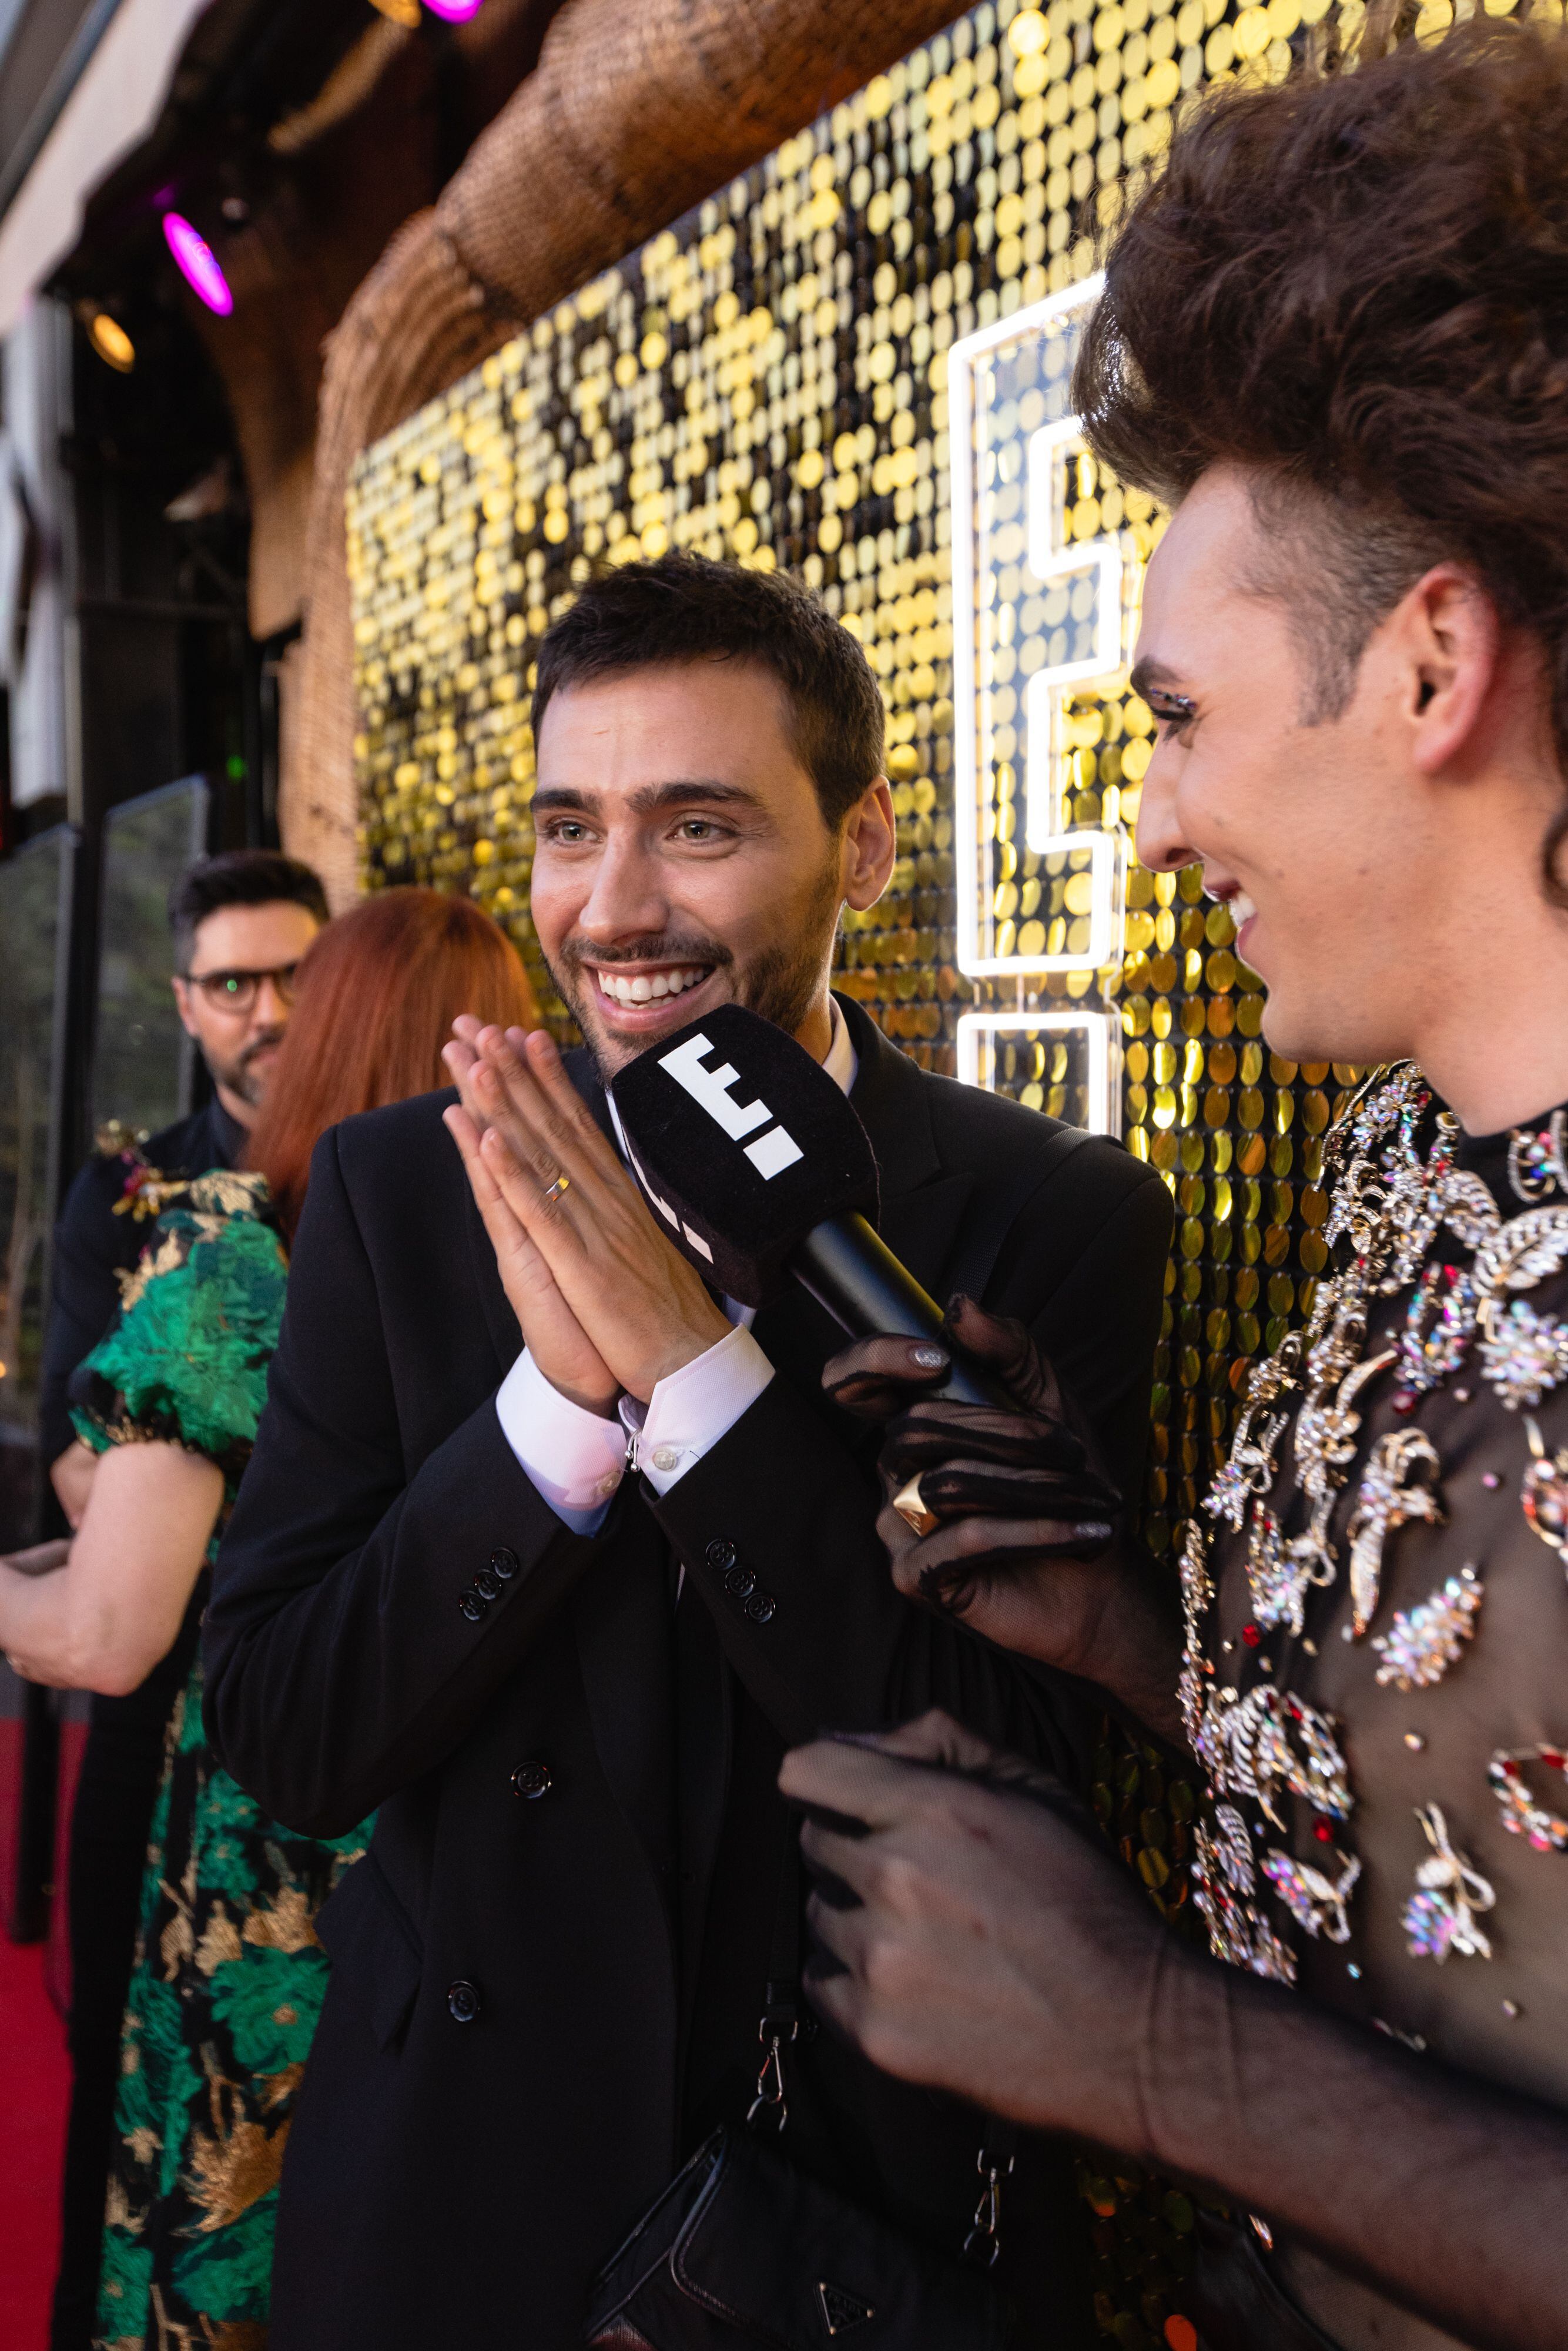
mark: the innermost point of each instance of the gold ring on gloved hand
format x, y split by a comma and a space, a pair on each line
562, 1185
912, 1509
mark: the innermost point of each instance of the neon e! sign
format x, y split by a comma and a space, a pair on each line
1043, 608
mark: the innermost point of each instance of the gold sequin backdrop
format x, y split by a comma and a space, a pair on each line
769, 380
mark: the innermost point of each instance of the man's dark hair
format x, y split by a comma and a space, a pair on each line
684, 608
238, 877
1355, 282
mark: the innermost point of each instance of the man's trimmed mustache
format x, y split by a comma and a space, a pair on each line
265, 1043
665, 947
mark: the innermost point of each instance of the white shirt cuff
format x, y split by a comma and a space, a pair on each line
572, 1456
689, 1411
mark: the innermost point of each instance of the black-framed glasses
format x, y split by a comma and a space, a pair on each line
236, 991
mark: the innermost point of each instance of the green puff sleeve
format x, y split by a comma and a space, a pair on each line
185, 1362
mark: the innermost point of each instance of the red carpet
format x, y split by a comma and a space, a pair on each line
34, 2085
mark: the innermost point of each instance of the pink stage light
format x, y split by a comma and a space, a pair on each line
454, 12
197, 264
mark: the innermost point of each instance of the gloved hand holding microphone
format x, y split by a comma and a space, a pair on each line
1004, 1514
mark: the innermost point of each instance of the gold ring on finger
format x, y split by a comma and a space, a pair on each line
912, 1509
559, 1189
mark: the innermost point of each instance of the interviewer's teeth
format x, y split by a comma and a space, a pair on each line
1241, 908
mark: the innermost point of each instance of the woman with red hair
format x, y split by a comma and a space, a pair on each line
229, 1975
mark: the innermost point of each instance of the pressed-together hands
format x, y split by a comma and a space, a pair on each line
1028, 1544
605, 1302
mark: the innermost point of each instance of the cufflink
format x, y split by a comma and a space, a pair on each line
912, 1509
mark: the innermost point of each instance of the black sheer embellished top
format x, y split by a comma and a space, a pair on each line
1376, 1675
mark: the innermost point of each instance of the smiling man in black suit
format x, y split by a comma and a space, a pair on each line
566, 1689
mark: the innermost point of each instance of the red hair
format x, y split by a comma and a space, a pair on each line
379, 990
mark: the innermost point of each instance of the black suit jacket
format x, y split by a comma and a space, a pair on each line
534, 2002
92, 1244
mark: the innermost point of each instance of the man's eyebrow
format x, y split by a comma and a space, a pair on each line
682, 791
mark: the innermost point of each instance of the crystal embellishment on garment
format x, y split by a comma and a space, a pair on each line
1196, 1595
1524, 1353
1544, 1495
1314, 1899
1422, 1643
1439, 1328
1269, 1743
1535, 1162
1223, 1881
1278, 1577
1522, 1815
1442, 1915
1385, 1502
1250, 1469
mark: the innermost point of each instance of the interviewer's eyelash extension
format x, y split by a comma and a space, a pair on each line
1173, 712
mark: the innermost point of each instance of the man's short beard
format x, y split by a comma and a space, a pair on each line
239, 1076
781, 984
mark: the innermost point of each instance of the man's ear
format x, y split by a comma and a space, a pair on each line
1448, 630
870, 846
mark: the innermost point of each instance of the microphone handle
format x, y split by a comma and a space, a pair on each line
849, 1269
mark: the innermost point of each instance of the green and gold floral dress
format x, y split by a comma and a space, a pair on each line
229, 1976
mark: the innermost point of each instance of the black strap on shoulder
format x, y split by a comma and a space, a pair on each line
982, 1244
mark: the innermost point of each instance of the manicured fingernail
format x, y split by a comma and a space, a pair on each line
929, 1359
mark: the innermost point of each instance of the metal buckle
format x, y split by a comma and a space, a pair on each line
770, 2099
984, 2242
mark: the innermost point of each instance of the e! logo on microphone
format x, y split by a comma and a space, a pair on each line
771, 1153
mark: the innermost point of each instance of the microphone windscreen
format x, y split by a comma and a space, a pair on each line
743, 1144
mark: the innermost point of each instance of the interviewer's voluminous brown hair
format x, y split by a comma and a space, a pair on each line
378, 993
1358, 284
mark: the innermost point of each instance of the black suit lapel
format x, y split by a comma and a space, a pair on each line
921, 1229
922, 1205
583, 1071
499, 1319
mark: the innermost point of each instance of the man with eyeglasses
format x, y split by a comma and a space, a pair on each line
241, 922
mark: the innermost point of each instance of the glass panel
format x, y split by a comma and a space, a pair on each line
35, 889
142, 1059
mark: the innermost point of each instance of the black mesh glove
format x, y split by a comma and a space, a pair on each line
999, 1488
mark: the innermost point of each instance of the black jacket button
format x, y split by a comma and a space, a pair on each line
740, 1582
532, 1779
473, 1606
760, 1607
504, 1562
462, 2000
720, 1555
487, 1585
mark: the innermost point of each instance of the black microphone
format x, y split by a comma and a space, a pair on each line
761, 1171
